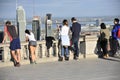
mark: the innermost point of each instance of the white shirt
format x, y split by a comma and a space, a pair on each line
31, 37
65, 30
64, 35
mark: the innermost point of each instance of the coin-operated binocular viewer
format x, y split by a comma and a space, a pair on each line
48, 25
49, 33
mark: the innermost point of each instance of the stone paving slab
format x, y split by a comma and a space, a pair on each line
91, 68
41, 60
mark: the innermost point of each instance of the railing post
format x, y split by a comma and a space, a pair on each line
5, 54
82, 46
43, 50
26, 52
55, 49
40, 49
22, 52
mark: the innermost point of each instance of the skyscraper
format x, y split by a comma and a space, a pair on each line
36, 27
21, 22
48, 25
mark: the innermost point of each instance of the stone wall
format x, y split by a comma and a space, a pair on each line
87, 46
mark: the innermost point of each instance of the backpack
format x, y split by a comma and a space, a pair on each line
12, 31
118, 32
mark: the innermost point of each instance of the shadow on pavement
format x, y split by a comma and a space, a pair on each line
112, 59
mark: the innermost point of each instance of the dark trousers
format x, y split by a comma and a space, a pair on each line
103, 45
75, 44
114, 46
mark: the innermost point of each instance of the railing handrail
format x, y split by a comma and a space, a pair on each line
24, 48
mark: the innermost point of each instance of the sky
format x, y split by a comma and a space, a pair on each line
61, 8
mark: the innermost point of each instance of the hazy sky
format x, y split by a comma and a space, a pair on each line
61, 8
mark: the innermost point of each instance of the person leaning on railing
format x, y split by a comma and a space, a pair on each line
15, 46
32, 45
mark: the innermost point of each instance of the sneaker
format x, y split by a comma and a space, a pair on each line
75, 58
105, 56
35, 62
31, 62
67, 58
17, 64
60, 59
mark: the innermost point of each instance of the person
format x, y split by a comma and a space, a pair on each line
49, 44
104, 39
58, 32
115, 39
15, 46
59, 39
75, 29
32, 45
65, 41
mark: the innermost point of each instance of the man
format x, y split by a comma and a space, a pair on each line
76, 29
115, 38
49, 43
14, 42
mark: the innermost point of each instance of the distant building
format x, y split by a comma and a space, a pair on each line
36, 29
98, 22
48, 25
21, 22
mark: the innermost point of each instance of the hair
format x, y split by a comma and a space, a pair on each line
60, 26
73, 19
8, 23
103, 26
117, 20
65, 22
27, 31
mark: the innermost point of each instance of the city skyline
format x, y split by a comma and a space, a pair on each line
62, 8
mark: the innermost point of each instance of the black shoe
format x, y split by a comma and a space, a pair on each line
48, 55
60, 59
75, 58
33, 62
112, 55
17, 64
67, 58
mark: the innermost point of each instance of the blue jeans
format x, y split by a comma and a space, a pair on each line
64, 51
75, 46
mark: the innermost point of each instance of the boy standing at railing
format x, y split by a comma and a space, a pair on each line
14, 42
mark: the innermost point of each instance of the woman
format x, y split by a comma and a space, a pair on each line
65, 41
104, 39
32, 45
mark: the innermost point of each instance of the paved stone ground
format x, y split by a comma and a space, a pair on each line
82, 69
